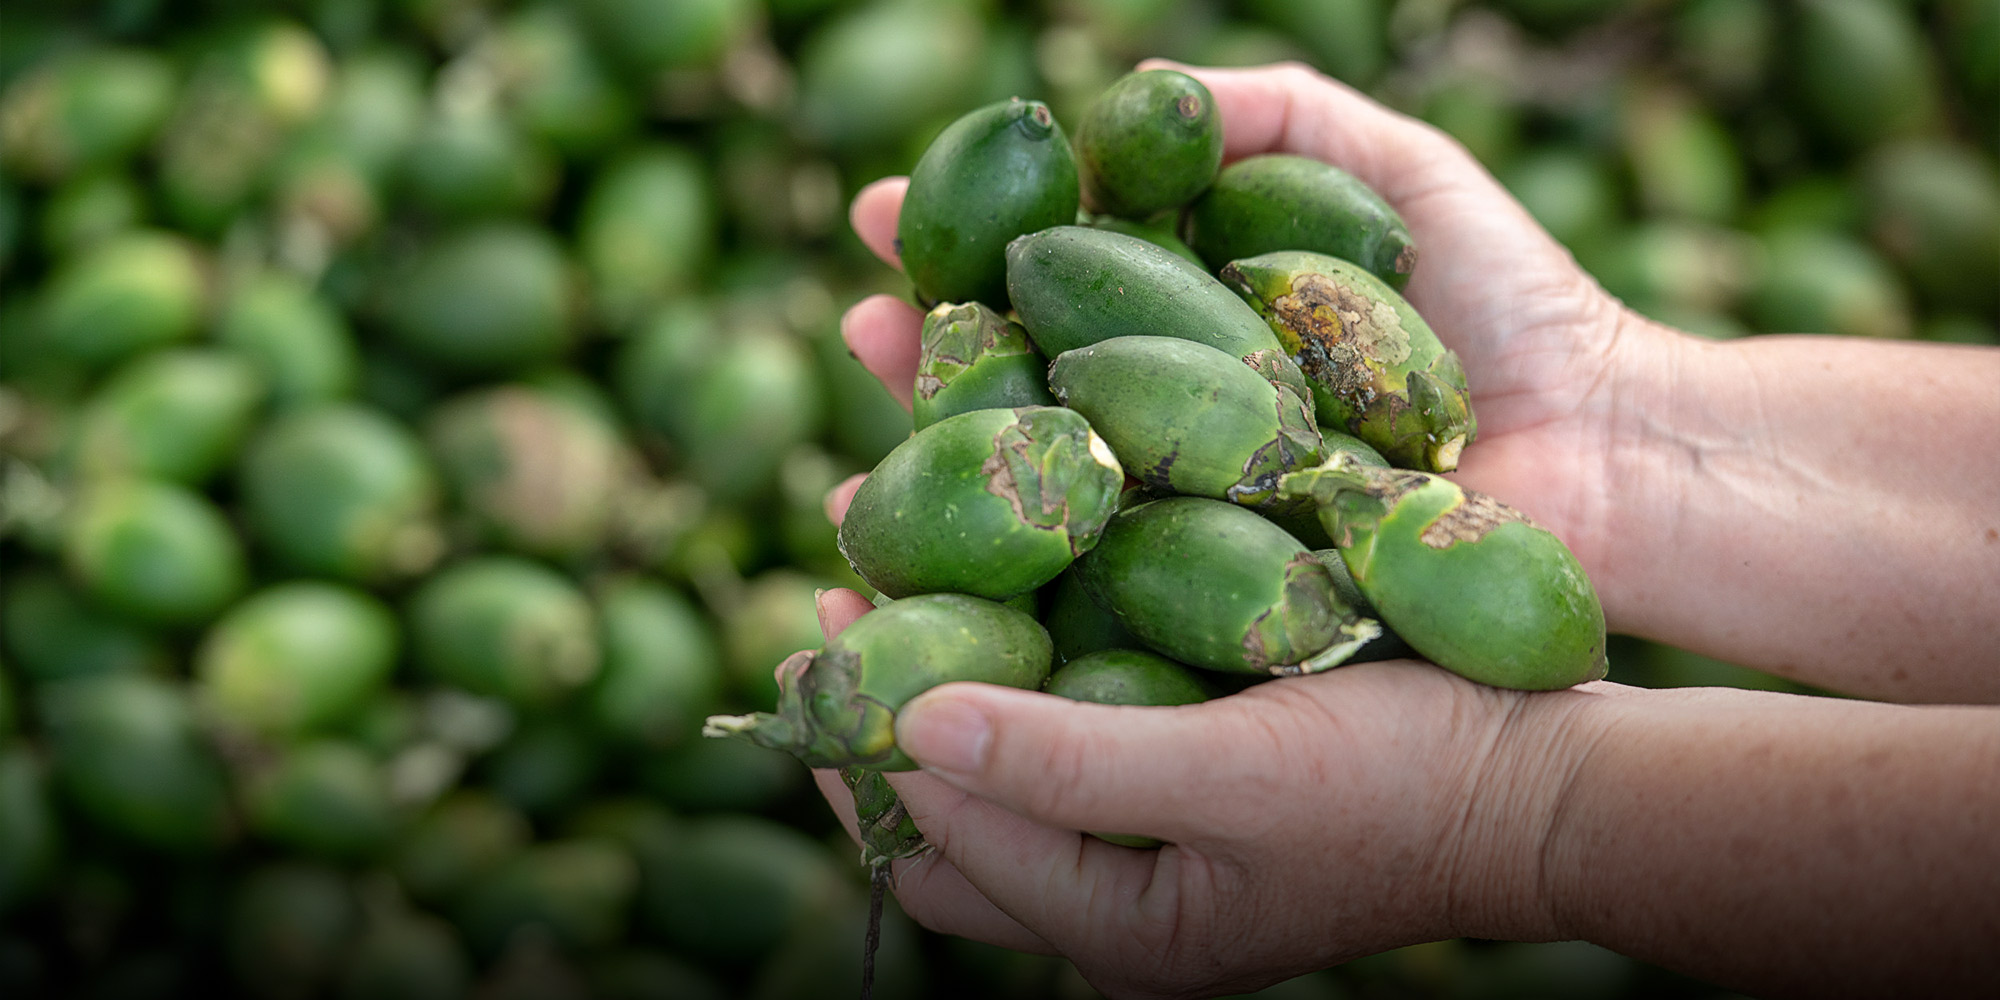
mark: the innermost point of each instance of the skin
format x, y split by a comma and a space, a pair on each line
1776, 502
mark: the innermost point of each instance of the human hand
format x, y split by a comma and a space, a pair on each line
1553, 361
1309, 820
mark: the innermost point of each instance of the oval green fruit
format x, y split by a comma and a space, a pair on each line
342, 491
127, 754
457, 843
1186, 417
1377, 370
54, 635
1128, 677
1151, 141
1073, 286
737, 886
646, 229
1076, 624
536, 473
994, 174
505, 627
1214, 585
136, 291
662, 670
327, 798
578, 891
483, 301
157, 552
1467, 581
971, 358
1160, 233
178, 415
297, 657
298, 338
992, 503
1283, 202
837, 706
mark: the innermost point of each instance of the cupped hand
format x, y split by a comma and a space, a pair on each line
1309, 820
1555, 364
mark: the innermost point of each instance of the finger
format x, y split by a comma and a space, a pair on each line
1058, 884
1290, 108
838, 609
841, 497
1159, 772
873, 216
886, 334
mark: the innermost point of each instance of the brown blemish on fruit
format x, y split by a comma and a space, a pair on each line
1041, 476
1469, 520
928, 385
1406, 259
1344, 336
1188, 105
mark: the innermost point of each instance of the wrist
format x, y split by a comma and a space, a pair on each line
1506, 882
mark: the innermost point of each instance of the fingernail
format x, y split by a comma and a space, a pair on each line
945, 735
819, 608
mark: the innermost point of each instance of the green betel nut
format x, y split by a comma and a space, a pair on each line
1377, 370
1469, 582
1214, 585
1151, 141
837, 706
1127, 677
1000, 171
1281, 202
992, 503
1186, 417
972, 359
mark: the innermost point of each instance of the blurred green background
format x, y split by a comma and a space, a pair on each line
414, 416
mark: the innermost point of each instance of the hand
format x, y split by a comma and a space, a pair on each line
1553, 361
1310, 820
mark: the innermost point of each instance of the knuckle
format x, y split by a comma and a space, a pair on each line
1060, 784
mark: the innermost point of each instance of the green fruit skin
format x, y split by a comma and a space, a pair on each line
1159, 233
1490, 596
579, 891
484, 301
1388, 645
154, 551
647, 228
297, 658
1185, 417
287, 927
1377, 370
1151, 141
737, 886
837, 706
342, 491
1075, 623
53, 635
505, 627
1216, 586
1282, 202
408, 955
1935, 208
992, 175
85, 108
537, 474
1863, 70
30, 838
176, 415
328, 798
1128, 677
992, 503
972, 359
662, 669
126, 753
297, 338
1073, 286
123, 296
459, 842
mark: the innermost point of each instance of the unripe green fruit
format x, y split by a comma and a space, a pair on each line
507, 628
1282, 202
178, 415
994, 174
1377, 370
297, 657
1128, 677
157, 552
1151, 141
342, 491
1466, 580
122, 297
992, 503
1214, 585
970, 358
837, 706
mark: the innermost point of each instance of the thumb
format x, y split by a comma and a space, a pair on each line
1070, 764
